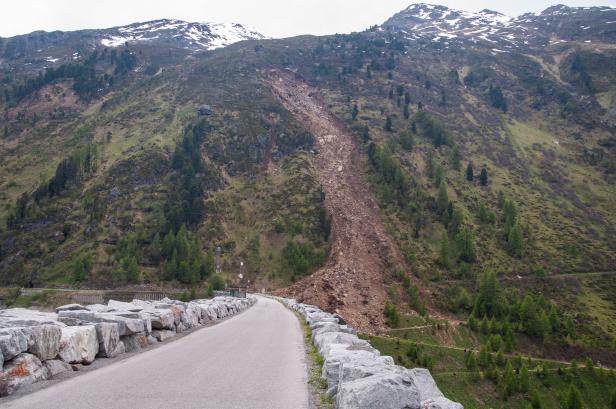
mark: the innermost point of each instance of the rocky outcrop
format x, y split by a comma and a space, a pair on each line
37, 345
358, 377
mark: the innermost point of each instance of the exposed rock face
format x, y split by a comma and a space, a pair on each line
358, 376
78, 344
36, 345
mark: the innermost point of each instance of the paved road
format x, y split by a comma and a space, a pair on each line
254, 360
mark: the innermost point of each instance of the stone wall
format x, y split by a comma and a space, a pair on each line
358, 376
36, 346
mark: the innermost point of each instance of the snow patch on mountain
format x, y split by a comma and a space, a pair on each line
195, 36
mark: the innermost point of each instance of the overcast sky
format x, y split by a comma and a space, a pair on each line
276, 18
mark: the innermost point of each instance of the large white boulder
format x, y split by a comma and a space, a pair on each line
44, 341
21, 317
13, 341
429, 394
108, 336
162, 335
70, 307
123, 306
380, 391
161, 318
24, 369
78, 345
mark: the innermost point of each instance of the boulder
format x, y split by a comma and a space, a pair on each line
24, 369
161, 319
151, 340
344, 365
97, 308
21, 317
108, 337
380, 391
429, 394
131, 343
440, 403
324, 341
120, 349
44, 341
78, 344
123, 306
162, 335
70, 307
126, 326
56, 366
13, 341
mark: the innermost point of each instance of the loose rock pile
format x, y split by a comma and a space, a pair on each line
358, 376
36, 346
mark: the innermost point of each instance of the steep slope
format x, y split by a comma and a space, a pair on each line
361, 253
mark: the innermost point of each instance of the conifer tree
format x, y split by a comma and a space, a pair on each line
574, 399
444, 251
523, 381
469, 172
466, 245
442, 201
514, 241
455, 158
388, 124
354, 112
483, 177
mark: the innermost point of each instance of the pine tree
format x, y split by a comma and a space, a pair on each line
407, 98
509, 380
523, 379
483, 177
574, 399
455, 222
168, 245
388, 124
514, 241
455, 158
354, 112
413, 127
406, 140
442, 201
209, 264
469, 172
613, 399
444, 252
156, 249
439, 175
132, 271
466, 245
406, 111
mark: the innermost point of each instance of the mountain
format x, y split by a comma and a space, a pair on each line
448, 173
40, 49
491, 29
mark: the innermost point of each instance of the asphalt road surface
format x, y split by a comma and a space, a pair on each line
253, 360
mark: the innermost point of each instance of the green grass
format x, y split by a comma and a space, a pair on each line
475, 391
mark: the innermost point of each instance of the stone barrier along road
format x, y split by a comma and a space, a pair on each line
358, 376
36, 346
255, 360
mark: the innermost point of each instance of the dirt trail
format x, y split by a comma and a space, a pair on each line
351, 282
